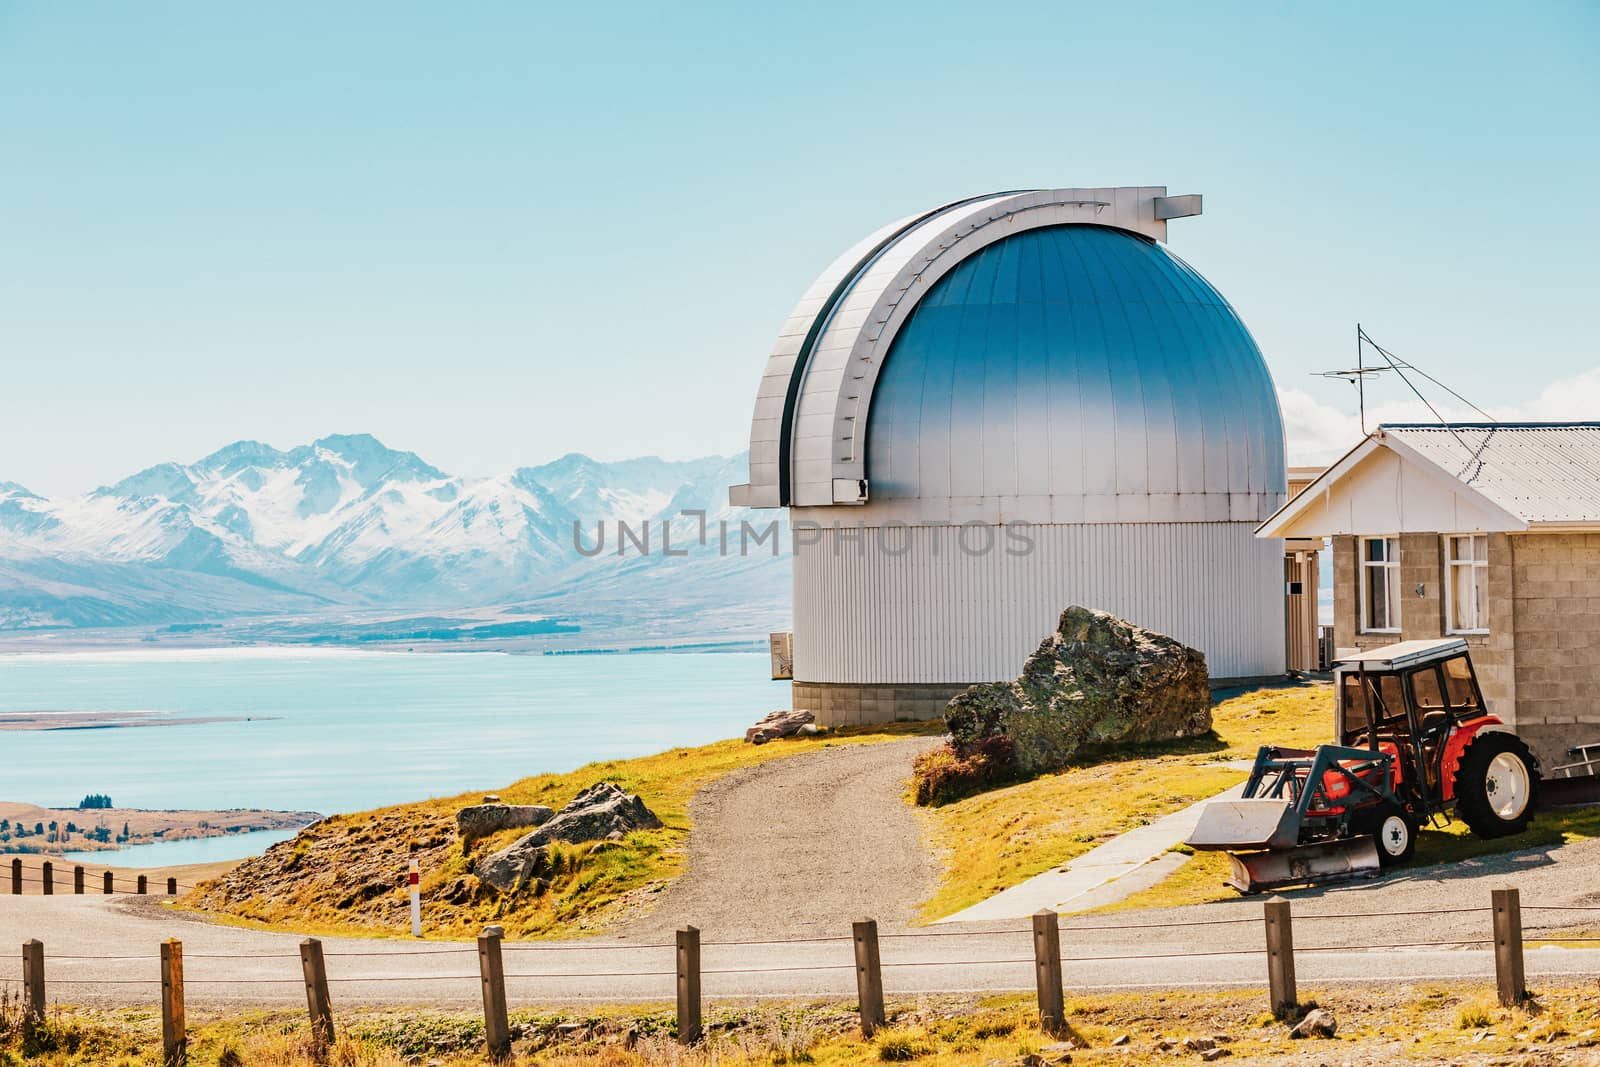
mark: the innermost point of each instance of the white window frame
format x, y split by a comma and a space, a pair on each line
1389, 563
1450, 565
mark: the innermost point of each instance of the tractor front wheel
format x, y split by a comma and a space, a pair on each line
1496, 785
1396, 837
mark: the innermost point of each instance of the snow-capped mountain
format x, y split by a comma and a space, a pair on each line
348, 522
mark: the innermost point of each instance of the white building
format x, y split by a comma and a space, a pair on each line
1485, 531
1013, 403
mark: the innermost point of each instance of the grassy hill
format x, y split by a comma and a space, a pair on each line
347, 873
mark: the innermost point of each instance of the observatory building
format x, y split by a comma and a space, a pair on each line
985, 413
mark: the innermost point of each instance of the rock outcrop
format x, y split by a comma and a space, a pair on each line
1097, 680
481, 820
779, 724
514, 866
601, 812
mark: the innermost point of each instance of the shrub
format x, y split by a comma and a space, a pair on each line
944, 774
1475, 1016
895, 1046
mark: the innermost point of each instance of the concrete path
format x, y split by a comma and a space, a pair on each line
1104, 875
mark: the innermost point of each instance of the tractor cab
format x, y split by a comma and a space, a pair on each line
1409, 699
1413, 741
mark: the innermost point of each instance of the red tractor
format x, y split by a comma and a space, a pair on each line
1416, 742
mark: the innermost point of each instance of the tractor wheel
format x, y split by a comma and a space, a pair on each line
1396, 837
1496, 785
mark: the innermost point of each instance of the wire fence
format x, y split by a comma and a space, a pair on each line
678, 964
50, 879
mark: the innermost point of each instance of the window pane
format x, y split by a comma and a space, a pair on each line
1377, 598
1354, 711
1458, 683
1425, 690
1460, 591
1391, 582
1375, 549
1480, 547
1394, 704
1480, 598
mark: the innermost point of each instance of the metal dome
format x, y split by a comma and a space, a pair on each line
1074, 373
1099, 378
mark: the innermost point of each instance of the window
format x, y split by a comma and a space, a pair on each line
1380, 585
1458, 683
1466, 583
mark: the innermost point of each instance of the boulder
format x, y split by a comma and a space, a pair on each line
1096, 680
778, 724
481, 820
1317, 1023
514, 866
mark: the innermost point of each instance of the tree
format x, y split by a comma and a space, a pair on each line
38, 827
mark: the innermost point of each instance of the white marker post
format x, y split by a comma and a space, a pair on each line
415, 878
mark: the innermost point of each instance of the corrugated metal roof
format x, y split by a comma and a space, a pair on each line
1538, 471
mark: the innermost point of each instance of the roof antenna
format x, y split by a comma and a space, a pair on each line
1396, 364
1358, 375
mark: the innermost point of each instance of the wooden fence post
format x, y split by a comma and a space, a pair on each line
48, 878
16, 877
33, 978
492, 971
317, 1003
108, 881
1280, 958
144, 885
174, 1036
172, 887
1508, 946
1047, 967
869, 976
688, 985
77, 880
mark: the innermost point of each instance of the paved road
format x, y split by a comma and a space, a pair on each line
229, 966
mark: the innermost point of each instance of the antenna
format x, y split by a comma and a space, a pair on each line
1358, 375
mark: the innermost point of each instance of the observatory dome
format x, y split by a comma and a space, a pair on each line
1076, 374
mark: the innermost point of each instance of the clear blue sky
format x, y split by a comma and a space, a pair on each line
495, 233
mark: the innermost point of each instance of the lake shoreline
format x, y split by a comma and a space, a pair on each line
144, 826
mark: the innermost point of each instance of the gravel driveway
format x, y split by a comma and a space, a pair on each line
802, 845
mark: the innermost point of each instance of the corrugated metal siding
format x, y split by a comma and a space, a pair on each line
1539, 473
937, 613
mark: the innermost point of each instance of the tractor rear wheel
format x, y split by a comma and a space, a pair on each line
1496, 785
1396, 837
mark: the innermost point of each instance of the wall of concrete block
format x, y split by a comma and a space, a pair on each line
1556, 600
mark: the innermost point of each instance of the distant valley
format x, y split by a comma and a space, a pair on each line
348, 541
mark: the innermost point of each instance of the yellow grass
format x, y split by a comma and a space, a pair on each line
1413, 1023
595, 887
998, 839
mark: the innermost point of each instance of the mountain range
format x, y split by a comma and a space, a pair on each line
347, 523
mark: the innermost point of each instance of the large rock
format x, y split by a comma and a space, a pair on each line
594, 814
779, 724
513, 866
481, 820
1097, 680
598, 813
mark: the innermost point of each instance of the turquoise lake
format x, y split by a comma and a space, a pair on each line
334, 731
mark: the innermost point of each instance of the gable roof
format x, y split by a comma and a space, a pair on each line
1516, 475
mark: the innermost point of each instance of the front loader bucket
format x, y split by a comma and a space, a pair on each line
1238, 825
1331, 861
